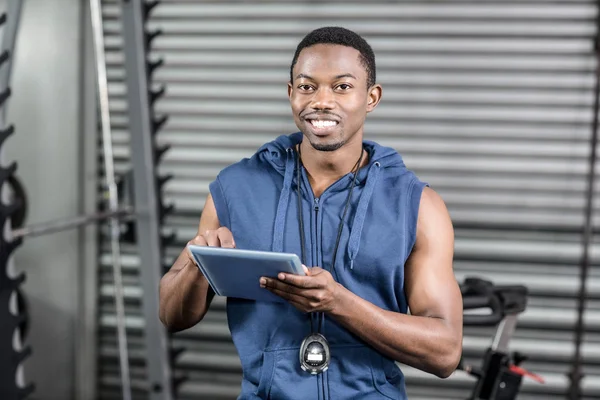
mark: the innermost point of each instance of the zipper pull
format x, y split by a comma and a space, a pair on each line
316, 204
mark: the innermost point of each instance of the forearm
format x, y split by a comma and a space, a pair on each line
427, 343
184, 296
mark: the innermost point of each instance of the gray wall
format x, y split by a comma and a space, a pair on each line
488, 102
45, 109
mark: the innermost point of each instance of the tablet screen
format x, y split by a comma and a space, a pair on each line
236, 272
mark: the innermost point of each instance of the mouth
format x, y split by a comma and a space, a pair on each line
322, 126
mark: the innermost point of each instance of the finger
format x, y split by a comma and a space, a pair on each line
197, 241
225, 237
275, 284
302, 303
302, 282
298, 301
306, 270
310, 294
212, 238
309, 299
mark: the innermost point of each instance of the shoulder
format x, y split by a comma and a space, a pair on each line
432, 202
434, 218
241, 169
232, 180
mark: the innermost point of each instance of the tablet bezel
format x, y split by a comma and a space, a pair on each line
292, 261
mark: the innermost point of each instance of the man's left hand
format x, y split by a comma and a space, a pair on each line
315, 292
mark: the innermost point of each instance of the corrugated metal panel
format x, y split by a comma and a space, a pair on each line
489, 101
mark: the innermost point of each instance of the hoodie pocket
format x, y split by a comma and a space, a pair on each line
282, 378
387, 377
266, 375
356, 373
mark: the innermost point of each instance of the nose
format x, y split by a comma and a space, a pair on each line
323, 99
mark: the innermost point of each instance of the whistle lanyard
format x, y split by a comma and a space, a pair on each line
314, 351
300, 213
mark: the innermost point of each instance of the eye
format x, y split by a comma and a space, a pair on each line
344, 86
305, 87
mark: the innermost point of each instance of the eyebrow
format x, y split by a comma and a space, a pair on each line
345, 76
348, 75
304, 76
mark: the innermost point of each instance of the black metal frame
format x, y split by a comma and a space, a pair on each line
11, 359
576, 373
148, 189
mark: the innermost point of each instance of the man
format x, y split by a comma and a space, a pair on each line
378, 242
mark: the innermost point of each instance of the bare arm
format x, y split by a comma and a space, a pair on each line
429, 339
185, 294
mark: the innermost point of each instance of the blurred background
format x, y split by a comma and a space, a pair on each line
491, 102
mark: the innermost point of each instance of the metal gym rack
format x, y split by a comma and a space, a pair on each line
146, 155
147, 217
13, 318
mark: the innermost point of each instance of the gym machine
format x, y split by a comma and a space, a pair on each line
500, 375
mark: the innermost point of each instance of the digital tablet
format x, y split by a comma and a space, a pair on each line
236, 272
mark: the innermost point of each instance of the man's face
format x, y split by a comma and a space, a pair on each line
329, 95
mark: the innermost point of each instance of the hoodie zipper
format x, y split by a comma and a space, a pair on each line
317, 237
315, 261
315, 234
318, 261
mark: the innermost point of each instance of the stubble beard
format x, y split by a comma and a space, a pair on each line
327, 146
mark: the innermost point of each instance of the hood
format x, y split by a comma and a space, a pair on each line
274, 153
281, 156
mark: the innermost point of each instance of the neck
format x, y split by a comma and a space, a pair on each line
326, 167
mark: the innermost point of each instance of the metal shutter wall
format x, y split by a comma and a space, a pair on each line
489, 101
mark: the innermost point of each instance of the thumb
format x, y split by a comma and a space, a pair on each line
306, 270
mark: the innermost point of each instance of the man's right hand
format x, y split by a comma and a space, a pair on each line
185, 294
221, 237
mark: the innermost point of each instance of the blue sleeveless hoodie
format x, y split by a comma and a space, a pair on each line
256, 199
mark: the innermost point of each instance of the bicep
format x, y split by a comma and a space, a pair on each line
208, 220
430, 284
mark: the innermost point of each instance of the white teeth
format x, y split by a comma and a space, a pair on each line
322, 124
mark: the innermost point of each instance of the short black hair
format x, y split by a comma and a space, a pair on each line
344, 37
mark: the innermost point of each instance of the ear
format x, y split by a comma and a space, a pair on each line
374, 97
289, 89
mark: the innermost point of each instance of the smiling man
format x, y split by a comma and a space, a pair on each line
376, 241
